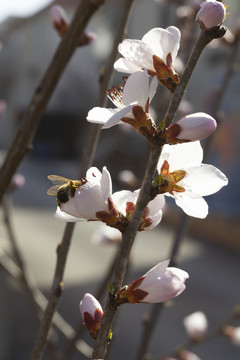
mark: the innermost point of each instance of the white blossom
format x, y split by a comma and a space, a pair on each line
156, 52
136, 92
196, 179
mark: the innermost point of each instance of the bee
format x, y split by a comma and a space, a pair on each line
64, 188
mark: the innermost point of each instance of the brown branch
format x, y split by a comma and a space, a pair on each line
144, 196
22, 143
205, 38
150, 319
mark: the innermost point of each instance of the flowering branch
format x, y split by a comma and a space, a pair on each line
150, 319
22, 142
63, 248
145, 196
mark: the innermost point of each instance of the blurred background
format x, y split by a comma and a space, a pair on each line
210, 250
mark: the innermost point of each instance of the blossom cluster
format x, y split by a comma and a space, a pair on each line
180, 171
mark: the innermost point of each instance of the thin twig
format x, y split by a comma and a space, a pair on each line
15, 272
22, 143
144, 196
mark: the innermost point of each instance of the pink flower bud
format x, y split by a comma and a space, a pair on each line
92, 314
59, 19
87, 37
191, 128
159, 284
211, 14
196, 325
17, 182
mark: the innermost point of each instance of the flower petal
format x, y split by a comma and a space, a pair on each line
177, 36
116, 118
136, 89
181, 156
153, 88
61, 215
206, 180
154, 273
155, 206
100, 115
192, 204
106, 184
138, 52
163, 41
167, 284
126, 65
120, 198
94, 175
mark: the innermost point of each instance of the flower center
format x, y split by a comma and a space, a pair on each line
168, 181
116, 94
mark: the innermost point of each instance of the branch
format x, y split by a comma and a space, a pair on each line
150, 319
22, 143
16, 273
63, 248
144, 196
205, 38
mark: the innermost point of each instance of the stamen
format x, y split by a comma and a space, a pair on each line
116, 94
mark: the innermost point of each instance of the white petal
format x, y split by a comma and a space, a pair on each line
120, 198
156, 218
86, 202
153, 39
170, 285
106, 184
156, 204
126, 65
153, 88
116, 118
177, 35
206, 180
61, 215
138, 52
181, 156
100, 115
192, 204
163, 41
94, 175
154, 273
136, 89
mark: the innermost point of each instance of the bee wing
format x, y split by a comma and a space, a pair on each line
58, 180
53, 190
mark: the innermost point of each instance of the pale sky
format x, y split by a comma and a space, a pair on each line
20, 7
